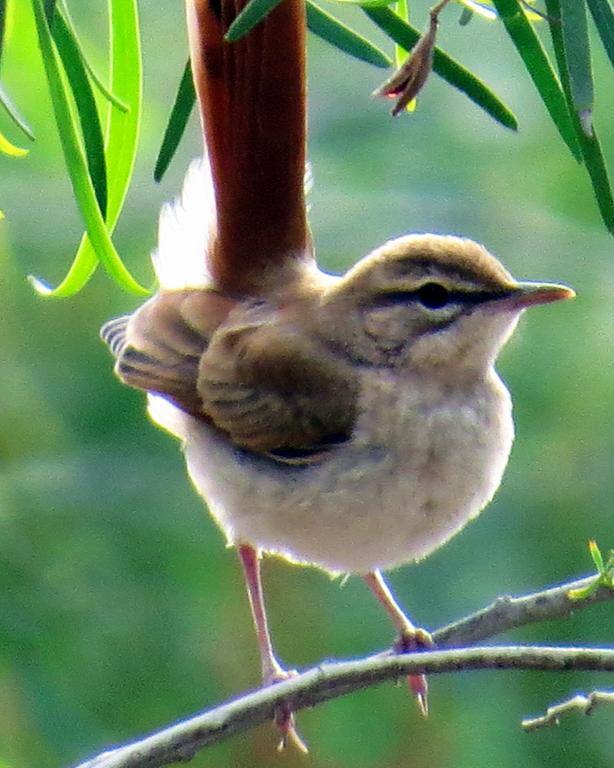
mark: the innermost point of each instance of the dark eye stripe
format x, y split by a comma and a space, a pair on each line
466, 298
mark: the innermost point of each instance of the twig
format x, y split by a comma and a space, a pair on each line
183, 740
579, 703
328, 681
509, 612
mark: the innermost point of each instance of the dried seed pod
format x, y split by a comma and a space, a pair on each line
409, 79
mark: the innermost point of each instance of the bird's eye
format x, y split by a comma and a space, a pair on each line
433, 296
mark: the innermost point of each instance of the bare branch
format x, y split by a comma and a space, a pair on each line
579, 703
182, 741
508, 612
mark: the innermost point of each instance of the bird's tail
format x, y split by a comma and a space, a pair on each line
251, 95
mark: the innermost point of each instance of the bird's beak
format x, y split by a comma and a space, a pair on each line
527, 294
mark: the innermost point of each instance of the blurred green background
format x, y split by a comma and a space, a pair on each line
120, 608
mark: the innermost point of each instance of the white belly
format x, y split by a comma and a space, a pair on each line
414, 473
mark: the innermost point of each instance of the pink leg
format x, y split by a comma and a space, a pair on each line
410, 636
272, 671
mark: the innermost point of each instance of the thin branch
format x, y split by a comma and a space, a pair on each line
181, 742
328, 681
579, 703
509, 612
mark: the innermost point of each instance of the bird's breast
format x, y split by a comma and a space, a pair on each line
420, 464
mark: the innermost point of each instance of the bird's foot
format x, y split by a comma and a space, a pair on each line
284, 716
415, 639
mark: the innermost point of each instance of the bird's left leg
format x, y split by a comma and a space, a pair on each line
410, 637
272, 671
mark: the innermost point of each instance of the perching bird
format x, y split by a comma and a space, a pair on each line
352, 422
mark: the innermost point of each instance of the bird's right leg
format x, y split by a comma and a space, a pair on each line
411, 638
272, 671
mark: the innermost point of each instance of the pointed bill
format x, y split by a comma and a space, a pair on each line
528, 294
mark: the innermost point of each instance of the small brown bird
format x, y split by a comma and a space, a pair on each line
352, 422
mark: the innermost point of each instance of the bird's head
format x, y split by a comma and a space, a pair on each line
430, 301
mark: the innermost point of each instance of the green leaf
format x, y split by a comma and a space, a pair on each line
108, 95
121, 134
180, 114
577, 53
472, 7
10, 149
13, 113
465, 17
596, 556
539, 68
400, 53
2, 28
75, 159
253, 13
85, 104
445, 66
50, 10
366, 3
603, 16
584, 592
336, 33
590, 146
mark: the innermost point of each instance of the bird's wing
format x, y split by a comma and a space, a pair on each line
158, 348
275, 390
270, 388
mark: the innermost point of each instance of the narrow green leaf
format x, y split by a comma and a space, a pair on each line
121, 134
110, 97
539, 68
79, 274
445, 66
596, 556
180, 114
336, 33
472, 6
8, 148
465, 17
75, 159
584, 592
590, 146
367, 3
574, 26
2, 28
400, 53
50, 10
13, 113
253, 13
85, 104
603, 16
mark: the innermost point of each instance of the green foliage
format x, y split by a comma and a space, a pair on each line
177, 122
574, 28
445, 66
604, 21
539, 67
14, 114
604, 577
85, 104
100, 162
589, 143
121, 610
83, 185
342, 37
253, 13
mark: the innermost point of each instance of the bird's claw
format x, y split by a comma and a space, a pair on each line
415, 639
284, 716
